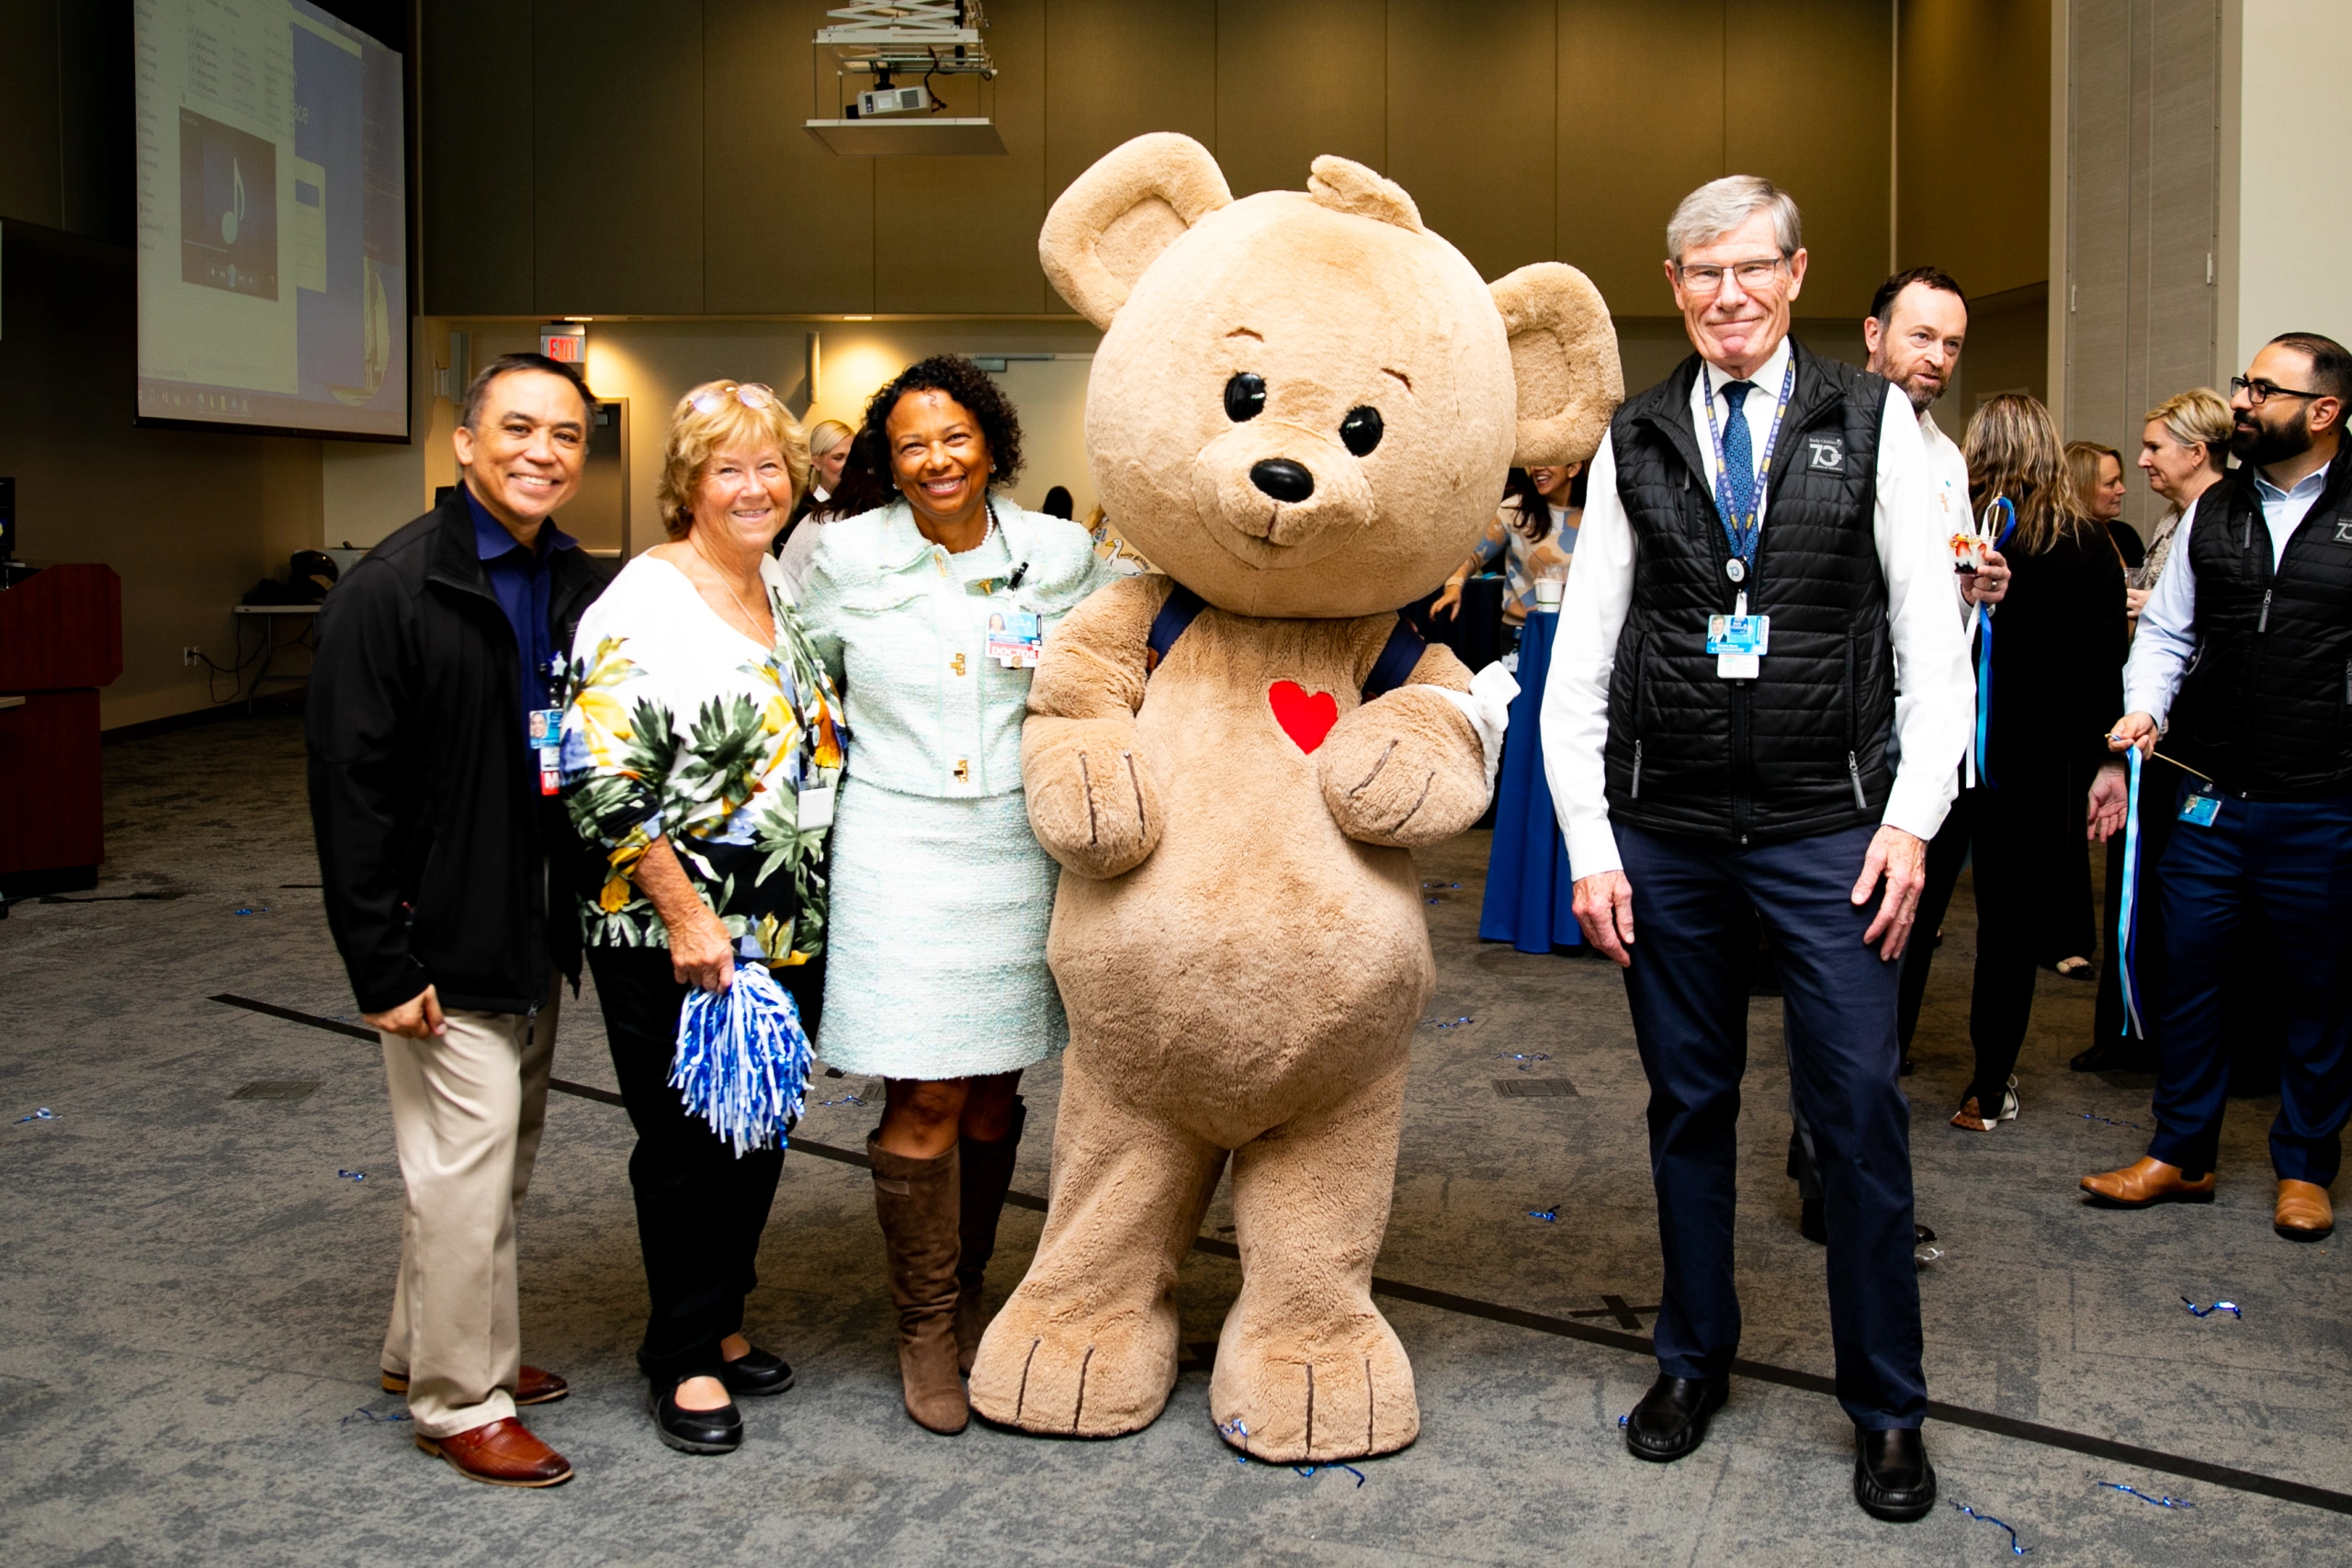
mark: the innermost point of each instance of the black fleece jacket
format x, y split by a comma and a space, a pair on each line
432, 832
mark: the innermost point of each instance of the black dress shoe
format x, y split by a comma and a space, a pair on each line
1811, 1223
1671, 1419
756, 1372
1893, 1480
718, 1431
2115, 1056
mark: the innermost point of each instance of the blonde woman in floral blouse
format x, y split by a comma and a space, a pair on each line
701, 747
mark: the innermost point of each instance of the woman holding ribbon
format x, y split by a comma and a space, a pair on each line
2047, 685
930, 612
702, 747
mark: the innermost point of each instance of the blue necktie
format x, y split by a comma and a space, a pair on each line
1739, 458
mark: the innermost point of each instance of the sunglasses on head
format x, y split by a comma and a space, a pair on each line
750, 394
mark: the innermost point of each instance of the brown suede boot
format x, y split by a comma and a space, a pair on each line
916, 1202
987, 1172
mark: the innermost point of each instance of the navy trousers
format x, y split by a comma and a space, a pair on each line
1696, 906
2292, 861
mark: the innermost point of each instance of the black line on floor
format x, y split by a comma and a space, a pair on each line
1609, 1339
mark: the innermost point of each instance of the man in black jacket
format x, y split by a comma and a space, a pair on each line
1756, 714
2244, 665
432, 707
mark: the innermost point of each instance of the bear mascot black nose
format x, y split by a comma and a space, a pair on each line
1282, 479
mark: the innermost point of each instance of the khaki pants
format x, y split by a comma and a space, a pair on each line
467, 1110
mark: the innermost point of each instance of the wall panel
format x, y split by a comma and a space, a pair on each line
1296, 79
1473, 124
617, 142
28, 84
1641, 127
1972, 148
959, 236
480, 177
787, 226
1809, 103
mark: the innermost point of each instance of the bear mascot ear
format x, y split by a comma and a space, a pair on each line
1116, 217
1564, 357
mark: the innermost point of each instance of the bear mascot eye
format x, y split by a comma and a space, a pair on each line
1245, 396
1361, 431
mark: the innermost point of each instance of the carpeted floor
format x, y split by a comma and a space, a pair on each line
193, 1294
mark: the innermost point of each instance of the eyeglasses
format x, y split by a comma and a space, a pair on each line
750, 394
2260, 392
1705, 282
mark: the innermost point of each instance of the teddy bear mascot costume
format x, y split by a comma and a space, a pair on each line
1303, 412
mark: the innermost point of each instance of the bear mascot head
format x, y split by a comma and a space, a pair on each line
1303, 410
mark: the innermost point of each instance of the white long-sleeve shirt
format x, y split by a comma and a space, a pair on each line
1935, 690
2167, 634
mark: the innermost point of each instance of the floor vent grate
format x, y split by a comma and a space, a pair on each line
1535, 1089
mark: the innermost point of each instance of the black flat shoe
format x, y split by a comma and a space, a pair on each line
718, 1431
1893, 1480
756, 1372
1671, 1419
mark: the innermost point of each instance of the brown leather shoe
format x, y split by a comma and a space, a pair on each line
2305, 1213
503, 1453
532, 1386
2149, 1181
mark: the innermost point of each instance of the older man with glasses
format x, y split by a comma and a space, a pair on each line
2243, 667
1762, 567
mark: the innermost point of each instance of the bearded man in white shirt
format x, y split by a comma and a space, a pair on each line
1756, 715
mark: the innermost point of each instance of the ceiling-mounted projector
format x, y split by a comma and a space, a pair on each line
929, 40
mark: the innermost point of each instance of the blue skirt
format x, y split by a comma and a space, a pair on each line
935, 955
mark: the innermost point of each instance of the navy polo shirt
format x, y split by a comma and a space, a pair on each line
520, 578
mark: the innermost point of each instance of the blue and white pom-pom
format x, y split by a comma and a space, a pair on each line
743, 1059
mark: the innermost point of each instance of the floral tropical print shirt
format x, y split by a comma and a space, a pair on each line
678, 726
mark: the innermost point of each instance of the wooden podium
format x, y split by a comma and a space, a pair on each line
61, 639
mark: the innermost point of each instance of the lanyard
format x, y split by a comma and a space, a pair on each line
1742, 530
2127, 912
1985, 648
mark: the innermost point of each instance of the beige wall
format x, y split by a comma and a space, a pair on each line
2286, 233
1973, 141
667, 173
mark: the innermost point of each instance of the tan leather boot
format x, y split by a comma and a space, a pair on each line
2151, 1180
2303, 1213
917, 1202
986, 1175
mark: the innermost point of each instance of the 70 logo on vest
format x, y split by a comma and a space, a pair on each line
1826, 451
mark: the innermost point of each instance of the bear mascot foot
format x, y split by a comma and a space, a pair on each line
1064, 1375
1350, 1396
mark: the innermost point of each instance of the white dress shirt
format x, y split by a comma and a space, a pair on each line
1935, 692
2167, 634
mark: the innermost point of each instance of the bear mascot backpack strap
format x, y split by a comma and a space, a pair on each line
1398, 655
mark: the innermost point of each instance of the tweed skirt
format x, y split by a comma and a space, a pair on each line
936, 955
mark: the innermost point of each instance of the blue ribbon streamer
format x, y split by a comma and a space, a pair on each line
2196, 1311
1549, 1216
1984, 655
742, 1060
2166, 1501
2127, 917
1237, 1428
43, 1114
2015, 1548
351, 1175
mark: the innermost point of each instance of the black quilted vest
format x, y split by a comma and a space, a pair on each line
2267, 705
1804, 748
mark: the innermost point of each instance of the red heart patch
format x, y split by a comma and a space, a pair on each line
1305, 717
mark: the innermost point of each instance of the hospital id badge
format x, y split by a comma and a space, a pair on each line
546, 726
1015, 639
816, 808
1739, 643
2200, 810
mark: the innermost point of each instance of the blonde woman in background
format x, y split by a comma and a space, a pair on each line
2184, 450
2057, 665
829, 447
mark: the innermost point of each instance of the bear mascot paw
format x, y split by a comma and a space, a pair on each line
1303, 410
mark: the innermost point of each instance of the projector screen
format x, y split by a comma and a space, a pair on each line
273, 221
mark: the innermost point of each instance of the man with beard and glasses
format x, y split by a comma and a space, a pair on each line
2251, 628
